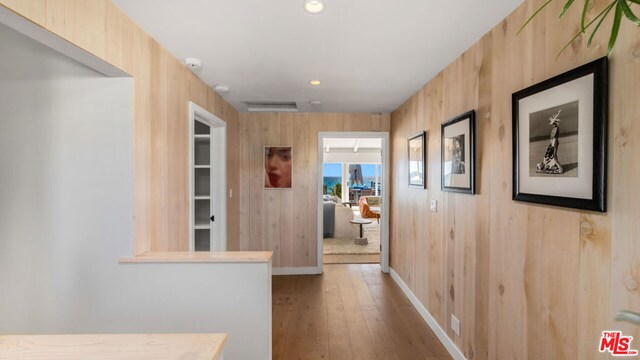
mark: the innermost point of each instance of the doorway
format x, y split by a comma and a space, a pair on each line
353, 183
207, 181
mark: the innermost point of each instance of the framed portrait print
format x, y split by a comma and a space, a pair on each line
417, 160
560, 139
277, 167
458, 153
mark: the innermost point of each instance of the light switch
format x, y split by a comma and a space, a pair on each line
434, 205
455, 324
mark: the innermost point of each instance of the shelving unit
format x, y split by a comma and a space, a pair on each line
207, 181
202, 186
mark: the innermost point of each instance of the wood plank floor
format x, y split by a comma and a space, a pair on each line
351, 259
352, 311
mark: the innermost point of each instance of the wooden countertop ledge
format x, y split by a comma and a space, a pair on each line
113, 346
201, 257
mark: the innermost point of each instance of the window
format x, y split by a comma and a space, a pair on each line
332, 179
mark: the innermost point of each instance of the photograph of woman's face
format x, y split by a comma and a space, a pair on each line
277, 167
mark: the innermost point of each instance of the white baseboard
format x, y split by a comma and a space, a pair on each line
295, 271
433, 324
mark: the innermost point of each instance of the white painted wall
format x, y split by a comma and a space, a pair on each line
66, 218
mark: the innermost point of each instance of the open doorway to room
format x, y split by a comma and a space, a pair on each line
353, 182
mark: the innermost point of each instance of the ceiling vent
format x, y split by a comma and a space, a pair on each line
279, 106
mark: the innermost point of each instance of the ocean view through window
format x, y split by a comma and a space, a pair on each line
332, 176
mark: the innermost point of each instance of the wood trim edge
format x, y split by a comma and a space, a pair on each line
296, 271
428, 318
182, 257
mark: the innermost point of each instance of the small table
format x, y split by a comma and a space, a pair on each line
361, 240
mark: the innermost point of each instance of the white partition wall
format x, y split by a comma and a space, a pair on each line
66, 218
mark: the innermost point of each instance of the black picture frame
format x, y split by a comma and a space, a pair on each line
421, 139
597, 200
468, 172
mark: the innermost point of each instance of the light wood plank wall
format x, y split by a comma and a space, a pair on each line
285, 221
526, 281
162, 89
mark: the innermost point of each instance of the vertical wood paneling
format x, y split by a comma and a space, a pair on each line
158, 136
494, 263
317, 123
121, 38
244, 139
81, 22
85, 25
285, 221
624, 207
483, 59
34, 10
526, 281
299, 200
55, 11
233, 171
162, 89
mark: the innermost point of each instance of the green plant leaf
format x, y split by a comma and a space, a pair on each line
566, 7
532, 16
584, 14
604, 16
602, 13
627, 12
614, 29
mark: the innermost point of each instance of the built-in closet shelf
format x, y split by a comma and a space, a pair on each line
202, 226
201, 147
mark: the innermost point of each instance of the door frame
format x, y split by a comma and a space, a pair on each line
218, 167
386, 188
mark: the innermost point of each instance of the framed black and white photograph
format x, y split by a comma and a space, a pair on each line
417, 160
458, 153
560, 139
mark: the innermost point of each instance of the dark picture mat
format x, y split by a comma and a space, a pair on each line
421, 138
469, 163
600, 70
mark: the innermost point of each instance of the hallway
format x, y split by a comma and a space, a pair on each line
351, 312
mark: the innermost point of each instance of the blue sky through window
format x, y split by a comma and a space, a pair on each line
332, 170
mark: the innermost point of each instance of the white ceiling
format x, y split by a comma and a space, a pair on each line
363, 143
371, 55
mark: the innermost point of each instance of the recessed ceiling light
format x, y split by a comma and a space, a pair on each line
315, 82
315, 102
314, 6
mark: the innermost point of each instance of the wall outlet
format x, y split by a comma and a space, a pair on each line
434, 205
455, 324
